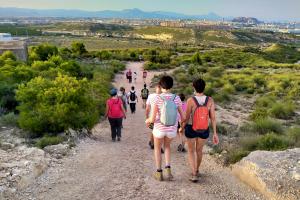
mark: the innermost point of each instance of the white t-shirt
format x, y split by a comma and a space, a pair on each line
150, 102
128, 95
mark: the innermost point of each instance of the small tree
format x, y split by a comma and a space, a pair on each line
196, 59
78, 48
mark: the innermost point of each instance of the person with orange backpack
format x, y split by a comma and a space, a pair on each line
200, 109
115, 112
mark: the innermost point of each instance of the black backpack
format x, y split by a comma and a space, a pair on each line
132, 96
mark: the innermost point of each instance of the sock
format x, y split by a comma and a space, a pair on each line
159, 170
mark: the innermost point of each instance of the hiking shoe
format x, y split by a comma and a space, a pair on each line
114, 139
158, 176
198, 174
169, 176
180, 147
194, 179
151, 145
183, 150
119, 139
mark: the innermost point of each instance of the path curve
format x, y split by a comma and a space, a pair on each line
101, 169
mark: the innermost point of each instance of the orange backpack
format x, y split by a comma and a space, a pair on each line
201, 116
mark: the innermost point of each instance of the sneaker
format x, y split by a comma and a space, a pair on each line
158, 176
198, 174
193, 179
179, 148
169, 175
114, 139
119, 139
151, 145
183, 150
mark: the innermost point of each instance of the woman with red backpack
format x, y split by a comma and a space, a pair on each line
200, 109
115, 112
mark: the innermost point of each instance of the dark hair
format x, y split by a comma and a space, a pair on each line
132, 87
122, 89
145, 85
182, 97
166, 82
199, 85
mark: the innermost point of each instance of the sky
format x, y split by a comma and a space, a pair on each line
262, 9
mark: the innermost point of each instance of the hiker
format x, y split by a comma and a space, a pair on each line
135, 76
122, 95
144, 95
129, 76
180, 147
200, 108
132, 100
165, 119
149, 110
144, 75
115, 113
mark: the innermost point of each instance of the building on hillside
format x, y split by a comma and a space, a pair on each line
17, 46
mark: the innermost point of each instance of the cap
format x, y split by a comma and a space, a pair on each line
113, 92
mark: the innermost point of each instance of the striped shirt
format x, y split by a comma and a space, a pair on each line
159, 102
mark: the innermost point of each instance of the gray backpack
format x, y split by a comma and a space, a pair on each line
168, 115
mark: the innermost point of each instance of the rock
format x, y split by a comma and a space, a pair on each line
275, 174
58, 151
6, 146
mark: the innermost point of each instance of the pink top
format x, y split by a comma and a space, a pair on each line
159, 102
115, 108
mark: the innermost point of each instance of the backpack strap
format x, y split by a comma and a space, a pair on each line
206, 101
174, 97
196, 101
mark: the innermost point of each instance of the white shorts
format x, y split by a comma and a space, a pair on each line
159, 134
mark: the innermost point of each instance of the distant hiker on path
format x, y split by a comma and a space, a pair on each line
135, 76
144, 95
149, 110
115, 113
145, 75
132, 100
122, 94
200, 109
180, 131
129, 76
165, 121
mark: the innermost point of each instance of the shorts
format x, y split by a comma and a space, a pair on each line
190, 133
159, 134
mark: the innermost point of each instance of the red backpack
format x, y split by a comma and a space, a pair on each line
201, 116
115, 110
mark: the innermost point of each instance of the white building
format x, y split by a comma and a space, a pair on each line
5, 37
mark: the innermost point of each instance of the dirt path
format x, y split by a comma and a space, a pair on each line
123, 170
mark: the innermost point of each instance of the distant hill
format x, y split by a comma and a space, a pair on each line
127, 14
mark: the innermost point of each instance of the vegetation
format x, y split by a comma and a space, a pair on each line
48, 140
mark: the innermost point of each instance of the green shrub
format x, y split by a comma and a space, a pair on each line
221, 96
265, 101
294, 136
236, 155
9, 119
263, 126
49, 140
259, 113
271, 142
282, 110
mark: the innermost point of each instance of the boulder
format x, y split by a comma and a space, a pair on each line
57, 151
274, 174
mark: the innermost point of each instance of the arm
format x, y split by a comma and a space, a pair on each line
106, 110
214, 122
124, 111
148, 108
188, 112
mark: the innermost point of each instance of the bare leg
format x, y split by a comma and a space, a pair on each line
167, 142
199, 151
157, 152
191, 153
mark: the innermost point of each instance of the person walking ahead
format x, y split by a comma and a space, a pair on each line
132, 99
200, 109
115, 113
165, 121
144, 95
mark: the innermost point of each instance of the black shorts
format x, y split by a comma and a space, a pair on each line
190, 133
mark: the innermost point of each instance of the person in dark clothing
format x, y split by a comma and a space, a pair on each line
132, 100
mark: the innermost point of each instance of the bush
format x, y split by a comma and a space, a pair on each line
265, 102
271, 142
294, 136
263, 126
49, 140
282, 110
259, 113
9, 119
236, 155
56, 105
